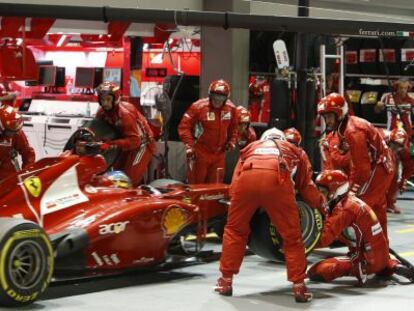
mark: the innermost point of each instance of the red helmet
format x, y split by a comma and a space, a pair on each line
399, 136
293, 136
335, 181
242, 115
219, 87
255, 91
109, 88
10, 120
335, 103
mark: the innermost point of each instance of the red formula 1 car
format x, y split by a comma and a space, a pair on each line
57, 218
61, 218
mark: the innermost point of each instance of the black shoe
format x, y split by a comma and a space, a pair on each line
405, 272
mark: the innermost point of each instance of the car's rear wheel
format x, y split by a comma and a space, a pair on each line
26, 262
266, 242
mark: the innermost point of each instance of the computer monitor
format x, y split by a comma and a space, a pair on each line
44, 62
47, 75
98, 77
113, 75
60, 77
85, 77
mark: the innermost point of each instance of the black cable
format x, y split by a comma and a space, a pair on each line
105, 14
166, 125
226, 20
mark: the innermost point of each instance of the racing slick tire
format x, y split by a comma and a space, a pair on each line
266, 242
26, 262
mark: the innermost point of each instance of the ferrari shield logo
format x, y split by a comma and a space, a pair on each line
187, 200
174, 219
211, 116
33, 184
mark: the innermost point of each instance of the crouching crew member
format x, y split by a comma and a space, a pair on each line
262, 174
369, 251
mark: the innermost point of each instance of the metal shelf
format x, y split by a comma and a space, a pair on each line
360, 75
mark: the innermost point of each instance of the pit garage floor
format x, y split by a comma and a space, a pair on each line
260, 286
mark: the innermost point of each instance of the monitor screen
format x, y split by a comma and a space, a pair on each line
85, 77
113, 75
60, 77
44, 62
98, 77
47, 75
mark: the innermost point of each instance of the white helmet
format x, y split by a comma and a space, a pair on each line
273, 133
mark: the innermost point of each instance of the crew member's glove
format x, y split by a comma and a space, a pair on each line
343, 147
190, 153
324, 209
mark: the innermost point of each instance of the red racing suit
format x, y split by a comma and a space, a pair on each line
403, 158
208, 131
369, 250
392, 113
333, 158
407, 162
372, 167
264, 172
10, 147
245, 138
136, 144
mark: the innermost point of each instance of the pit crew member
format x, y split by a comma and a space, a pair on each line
369, 251
136, 144
371, 169
13, 142
262, 174
209, 128
246, 133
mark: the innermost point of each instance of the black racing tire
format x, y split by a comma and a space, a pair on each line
102, 131
266, 242
26, 262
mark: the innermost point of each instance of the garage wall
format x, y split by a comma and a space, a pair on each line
377, 10
267, 7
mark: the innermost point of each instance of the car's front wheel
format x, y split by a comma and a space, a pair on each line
26, 262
